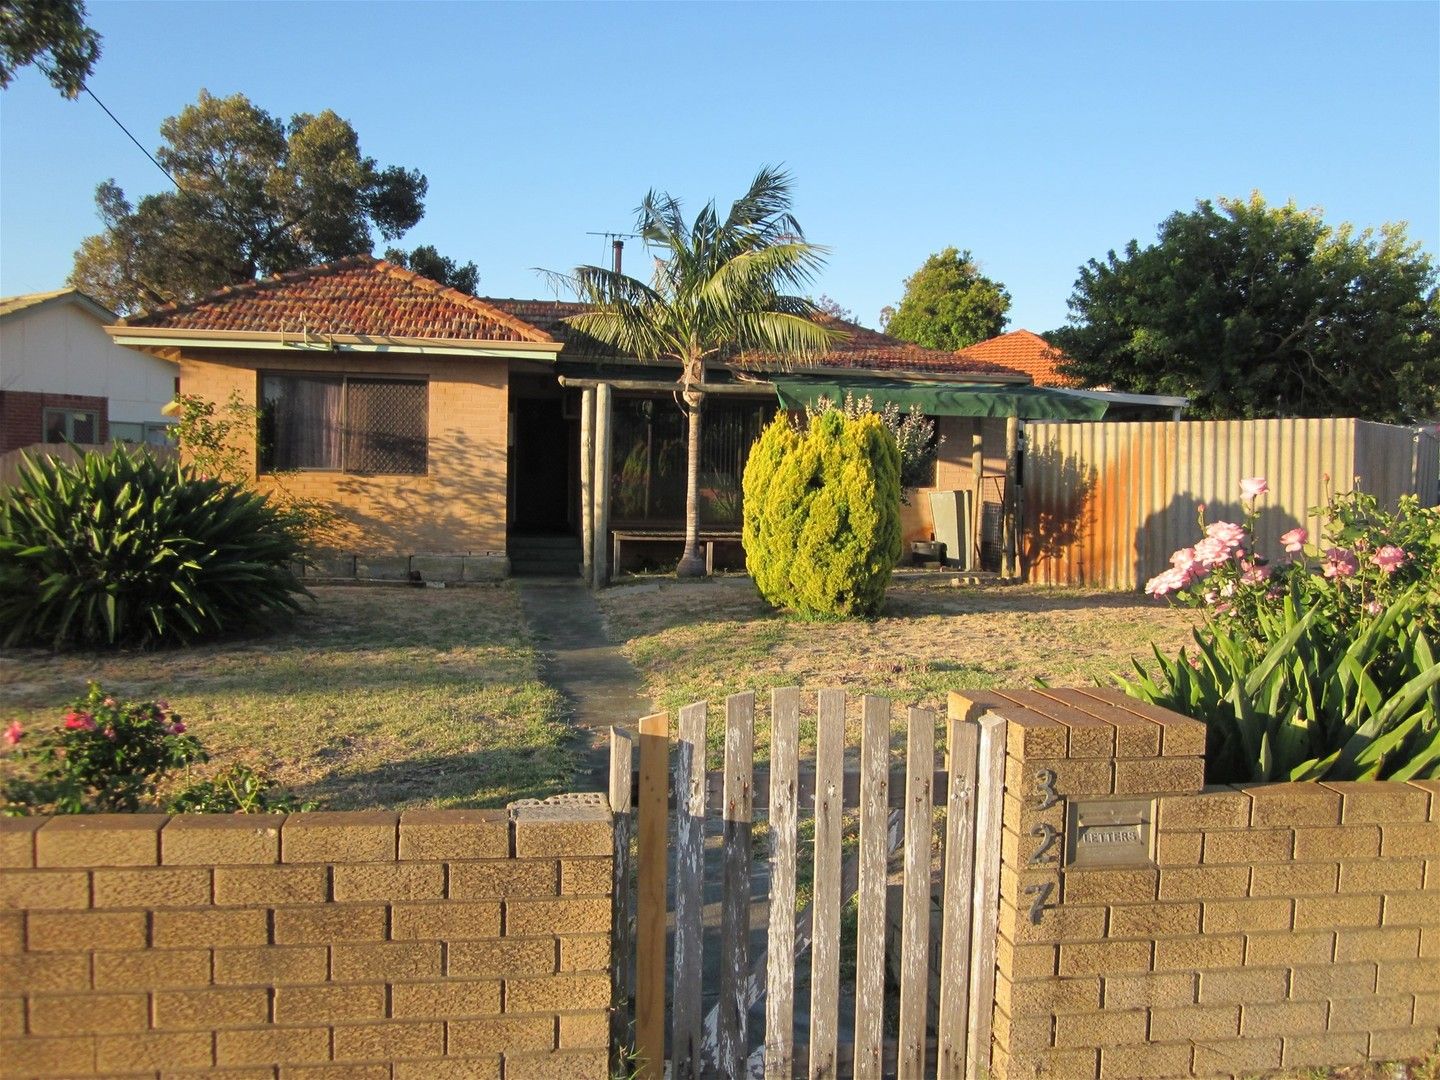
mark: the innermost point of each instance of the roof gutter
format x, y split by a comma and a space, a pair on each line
163, 337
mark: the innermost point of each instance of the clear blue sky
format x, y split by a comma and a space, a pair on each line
1036, 135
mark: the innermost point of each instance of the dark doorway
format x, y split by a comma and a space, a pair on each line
542, 466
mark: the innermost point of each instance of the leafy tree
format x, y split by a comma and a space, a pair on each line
828, 305
256, 196
949, 304
1258, 311
428, 262
52, 35
715, 293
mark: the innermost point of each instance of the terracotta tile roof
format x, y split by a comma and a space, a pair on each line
361, 295
1021, 350
861, 348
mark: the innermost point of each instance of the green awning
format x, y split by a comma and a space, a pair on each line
942, 398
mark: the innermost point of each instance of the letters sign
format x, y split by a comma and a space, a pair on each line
1109, 832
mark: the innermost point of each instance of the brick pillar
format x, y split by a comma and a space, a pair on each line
1055, 949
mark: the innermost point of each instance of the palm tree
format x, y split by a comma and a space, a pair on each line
718, 290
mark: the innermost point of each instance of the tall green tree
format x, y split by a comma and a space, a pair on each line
949, 304
255, 196
719, 289
53, 35
426, 261
1254, 310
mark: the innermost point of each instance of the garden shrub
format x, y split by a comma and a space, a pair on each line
120, 549
914, 433
1323, 666
113, 756
822, 514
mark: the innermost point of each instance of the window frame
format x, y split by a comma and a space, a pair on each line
69, 426
262, 469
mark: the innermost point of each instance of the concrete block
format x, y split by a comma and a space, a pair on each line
1320, 911
1293, 805
503, 878
263, 1046
1351, 979
299, 1004
1244, 986
211, 839
1211, 808
556, 993
391, 960
388, 881
88, 1014
212, 1009
591, 953
1104, 886
329, 923
266, 886
17, 841
86, 930
1379, 803
1336, 1050
271, 965
155, 969
1194, 1022
45, 889
1248, 846
100, 840
549, 831
210, 927
502, 959
1154, 920
454, 834
582, 915
146, 1052
452, 999
452, 920
1283, 1018
502, 1034
1112, 1027
1392, 875
1200, 954
1181, 775
1295, 947
1167, 990
155, 887
352, 837
1337, 842
1204, 882
392, 1039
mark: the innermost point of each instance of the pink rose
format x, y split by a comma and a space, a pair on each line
14, 733
110, 733
1390, 558
1211, 552
110, 703
1169, 581
1252, 487
1294, 540
1183, 558
79, 722
1340, 563
1254, 575
177, 728
1374, 607
1227, 532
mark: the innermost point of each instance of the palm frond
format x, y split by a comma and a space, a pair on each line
783, 335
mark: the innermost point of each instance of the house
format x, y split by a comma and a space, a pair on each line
453, 436
62, 378
1027, 352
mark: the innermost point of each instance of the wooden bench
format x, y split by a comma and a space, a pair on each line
708, 537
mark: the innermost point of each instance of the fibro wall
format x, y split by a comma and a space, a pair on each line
425, 944
1271, 926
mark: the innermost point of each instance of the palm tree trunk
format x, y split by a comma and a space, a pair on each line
691, 564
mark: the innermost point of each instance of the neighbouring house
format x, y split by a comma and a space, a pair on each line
1026, 351
63, 379
457, 437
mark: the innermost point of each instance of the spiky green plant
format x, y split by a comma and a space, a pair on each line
1314, 704
119, 549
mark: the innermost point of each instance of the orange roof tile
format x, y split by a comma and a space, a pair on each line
862, 348
360, 295
1021, 350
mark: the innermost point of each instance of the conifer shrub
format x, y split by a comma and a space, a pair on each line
822, 514
121, 549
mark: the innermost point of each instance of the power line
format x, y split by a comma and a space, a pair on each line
134, 140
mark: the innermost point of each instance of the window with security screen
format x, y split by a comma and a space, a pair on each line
343, 423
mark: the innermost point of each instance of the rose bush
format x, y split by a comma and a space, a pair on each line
112, 756
1321, 665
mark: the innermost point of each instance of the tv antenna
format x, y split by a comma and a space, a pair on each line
617, 246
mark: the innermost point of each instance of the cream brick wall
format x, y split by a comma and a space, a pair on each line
424, 944
1278, 926
458, 507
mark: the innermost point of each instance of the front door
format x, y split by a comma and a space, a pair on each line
542, 470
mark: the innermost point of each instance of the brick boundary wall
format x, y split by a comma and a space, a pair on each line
1275, 926
425, 944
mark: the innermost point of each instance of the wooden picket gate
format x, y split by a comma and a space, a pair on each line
685, 918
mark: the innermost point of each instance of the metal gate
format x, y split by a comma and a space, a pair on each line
887, 967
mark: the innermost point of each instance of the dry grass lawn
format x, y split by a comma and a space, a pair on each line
700, 641
375, 698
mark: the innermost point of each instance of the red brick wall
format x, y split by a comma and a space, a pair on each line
22, 415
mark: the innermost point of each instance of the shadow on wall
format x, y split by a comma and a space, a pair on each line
1053, 530
1178, 526
459, 506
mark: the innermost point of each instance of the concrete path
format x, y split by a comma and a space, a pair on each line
603, 688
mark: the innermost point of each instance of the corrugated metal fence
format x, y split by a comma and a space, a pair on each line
1106, 503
